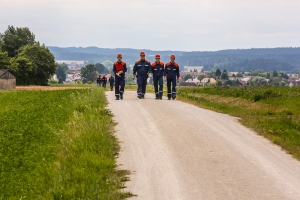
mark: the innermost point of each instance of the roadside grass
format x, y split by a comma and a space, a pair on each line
58, 145
273, 112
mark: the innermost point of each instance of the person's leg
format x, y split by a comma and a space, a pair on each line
144, 86
140, 84
169, 88
111, 86
161, 85
117, 88
174, 88
155, 82
122, 87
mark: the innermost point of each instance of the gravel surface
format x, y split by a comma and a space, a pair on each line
179, 151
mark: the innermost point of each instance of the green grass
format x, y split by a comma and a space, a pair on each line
273, 112
58, 145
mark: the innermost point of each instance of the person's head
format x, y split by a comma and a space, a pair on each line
142, 55
99, 76
157, 58
119, 57
172, 57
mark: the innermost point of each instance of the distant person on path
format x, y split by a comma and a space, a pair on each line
143, 70
111, 81
99, 80
171, 73
158, 73
119, 69
104, 81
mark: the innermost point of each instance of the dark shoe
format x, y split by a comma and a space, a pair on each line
169, 98
173, 97
117, 98
143, 97
139, 96
156, 97
121, 96
160, 98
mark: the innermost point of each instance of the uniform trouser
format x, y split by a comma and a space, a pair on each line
158, 80
142, 83
173, 82
104, 84
119, 82
111, 85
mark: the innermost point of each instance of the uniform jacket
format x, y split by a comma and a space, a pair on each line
120, 66
104, 79
171, 70
111, 80
158, 69
99, 80
142, 67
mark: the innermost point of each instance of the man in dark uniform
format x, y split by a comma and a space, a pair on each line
119, 69
158, 72
104, 81
142, 68
111, 82
171, 72
99, 80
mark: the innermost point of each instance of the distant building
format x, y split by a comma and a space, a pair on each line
7, 79
193, 68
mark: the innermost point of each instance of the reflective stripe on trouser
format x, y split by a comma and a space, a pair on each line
119, 85
142, 83
173, 82
158, 81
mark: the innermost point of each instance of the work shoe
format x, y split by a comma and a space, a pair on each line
121, 96
143, 97
173, 97
160, 98
156, 97
169, 98
117, 98
139, 96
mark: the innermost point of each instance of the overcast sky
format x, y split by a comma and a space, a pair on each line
188, 25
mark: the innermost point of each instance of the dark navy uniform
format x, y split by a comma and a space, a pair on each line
99, 81
111, 82
158, 72
104, 81
171, 71
119, 81
142, 68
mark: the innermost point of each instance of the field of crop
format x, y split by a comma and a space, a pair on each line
273, 112
58, 144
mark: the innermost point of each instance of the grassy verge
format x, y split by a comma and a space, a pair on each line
273, 112
58, 145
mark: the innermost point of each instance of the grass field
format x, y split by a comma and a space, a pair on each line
58, 144
273, 112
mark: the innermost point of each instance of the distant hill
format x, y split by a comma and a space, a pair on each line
267, 59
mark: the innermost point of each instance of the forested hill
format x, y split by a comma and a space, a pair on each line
267, 59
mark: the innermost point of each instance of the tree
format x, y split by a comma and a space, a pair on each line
43, 63
275, 74
218, 73
219, 82
22, 68
61, 71
89, 73
15, 38
187, 76
224, 75
268, 75
101, 68
201, 76
239, 74
4, 60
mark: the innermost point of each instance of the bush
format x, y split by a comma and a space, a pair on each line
89, 82
53, 81
79, 82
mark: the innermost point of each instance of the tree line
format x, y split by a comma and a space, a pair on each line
31, 62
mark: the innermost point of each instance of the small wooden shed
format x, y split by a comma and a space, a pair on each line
7, 80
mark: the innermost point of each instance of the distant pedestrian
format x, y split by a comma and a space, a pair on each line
99, 80
104, 81
143, 70
111, 81
171, 73
158, 72
119, 69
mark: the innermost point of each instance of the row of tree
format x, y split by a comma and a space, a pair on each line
31, 62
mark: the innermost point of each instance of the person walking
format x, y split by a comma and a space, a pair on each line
111, 81
158, 72
104, 81
119, 68
171, 72
142, 70
99, 80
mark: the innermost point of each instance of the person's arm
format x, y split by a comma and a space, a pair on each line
134, 69
177, 73
124, 68
150, 68
114, 69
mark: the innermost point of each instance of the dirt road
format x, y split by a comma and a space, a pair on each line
178, 151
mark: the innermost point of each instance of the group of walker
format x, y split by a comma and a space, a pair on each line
102, 80
143, 70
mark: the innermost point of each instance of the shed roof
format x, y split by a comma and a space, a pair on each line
5, 74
